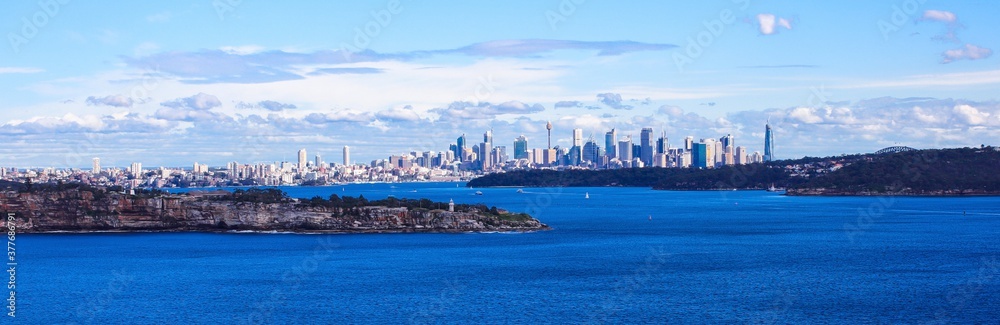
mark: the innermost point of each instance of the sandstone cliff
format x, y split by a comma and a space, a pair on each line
82, 211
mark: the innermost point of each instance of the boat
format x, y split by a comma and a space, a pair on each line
772, 188
520, 190
651, 217
479, 192
586, 195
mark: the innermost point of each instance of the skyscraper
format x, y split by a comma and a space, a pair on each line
302, 159
460, 148
576, 151
591, 151
699, 155
136, 169
625, 151
688, 142
611, 144
521, 147
661, 144
96, 168
319, 161
768, 142
486, 148
347, 156
646, 146
727, 141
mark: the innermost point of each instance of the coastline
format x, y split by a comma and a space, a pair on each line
832, 193
289, 232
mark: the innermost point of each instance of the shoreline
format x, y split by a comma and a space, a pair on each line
286, 232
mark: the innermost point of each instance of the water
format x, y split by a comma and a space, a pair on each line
705, 257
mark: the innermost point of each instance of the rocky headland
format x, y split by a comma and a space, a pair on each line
94, 209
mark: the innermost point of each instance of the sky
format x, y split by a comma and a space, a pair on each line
214, 81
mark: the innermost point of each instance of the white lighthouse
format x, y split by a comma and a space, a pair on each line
451, 205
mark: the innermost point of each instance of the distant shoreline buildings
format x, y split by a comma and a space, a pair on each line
459, 162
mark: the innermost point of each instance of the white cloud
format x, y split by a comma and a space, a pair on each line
159, 17
968, 52
939, 15
200, 101
970, 115
6, 70
111, 100
242, 50
805, 115
987, 77
398, 114
767, 23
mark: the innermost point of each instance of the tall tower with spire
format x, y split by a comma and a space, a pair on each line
768, 142
548, 126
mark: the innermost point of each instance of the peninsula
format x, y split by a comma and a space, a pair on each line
81, 208
931, 172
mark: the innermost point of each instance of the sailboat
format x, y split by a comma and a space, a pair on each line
586, 195
651, 217
772, 188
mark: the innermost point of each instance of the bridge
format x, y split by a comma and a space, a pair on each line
894, 149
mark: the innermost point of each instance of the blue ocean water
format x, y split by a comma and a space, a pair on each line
625, 255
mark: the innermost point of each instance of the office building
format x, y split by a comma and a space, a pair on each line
521, 147
591, 152
347, 156
661, 144
699, 155
625, 151
460, 148
611, 144
646, 147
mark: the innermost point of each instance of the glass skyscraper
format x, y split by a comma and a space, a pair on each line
768, 142
521, 147
646, 146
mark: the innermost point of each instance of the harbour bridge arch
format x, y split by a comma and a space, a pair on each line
894, 149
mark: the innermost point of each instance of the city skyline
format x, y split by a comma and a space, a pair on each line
146, 86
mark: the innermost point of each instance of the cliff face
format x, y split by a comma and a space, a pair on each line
82, 211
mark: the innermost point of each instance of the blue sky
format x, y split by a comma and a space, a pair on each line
170, 83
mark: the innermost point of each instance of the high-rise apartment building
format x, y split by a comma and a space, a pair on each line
768, 142
302, 159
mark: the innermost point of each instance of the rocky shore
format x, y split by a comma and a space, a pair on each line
91, 211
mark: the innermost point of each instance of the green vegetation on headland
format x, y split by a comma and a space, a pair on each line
966, 171
82, 208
